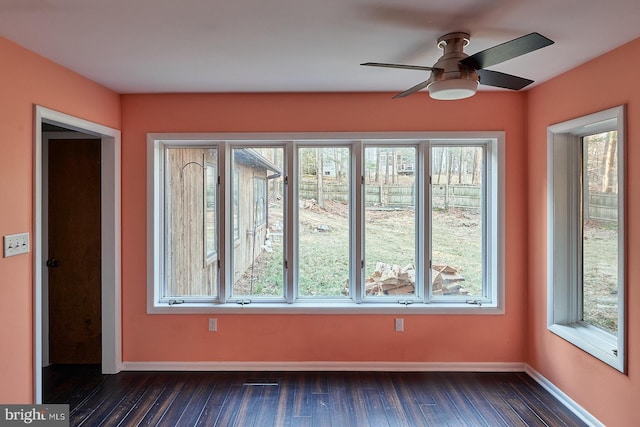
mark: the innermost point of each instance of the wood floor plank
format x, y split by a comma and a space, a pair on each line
394, 408
140, 410
417, 382
546, 405
302, 400
128, 401
453, 402
286, 400
478, 395
231, 406
341, 404
315, 399
173, 388
190, 402
375, 408
102, 400
443, 411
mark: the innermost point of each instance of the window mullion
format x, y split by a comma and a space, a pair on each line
423, 218
291, 219
489, 222
575, 229
356, 208
224, 225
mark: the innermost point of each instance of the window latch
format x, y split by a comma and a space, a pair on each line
406, 302
176, 301
243, 302
475, 302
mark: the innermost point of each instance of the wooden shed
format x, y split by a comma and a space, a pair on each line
192, 218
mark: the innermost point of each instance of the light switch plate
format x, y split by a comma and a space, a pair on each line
16, 244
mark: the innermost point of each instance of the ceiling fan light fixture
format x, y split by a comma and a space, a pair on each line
452, 89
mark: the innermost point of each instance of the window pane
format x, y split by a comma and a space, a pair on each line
258, 218
211, 180
190, 209
389, 221
457, 194
236, 205
323, 222
600, 231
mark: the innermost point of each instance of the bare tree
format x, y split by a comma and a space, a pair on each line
378, 164
319, 176
387, 164
608, 177
460, 165
441, 162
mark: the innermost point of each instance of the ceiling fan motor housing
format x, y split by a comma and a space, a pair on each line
448, 73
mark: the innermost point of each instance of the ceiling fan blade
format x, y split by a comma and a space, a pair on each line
505, 51
406, 67
413, 89
507, 81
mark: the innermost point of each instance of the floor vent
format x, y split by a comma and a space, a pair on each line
260, 382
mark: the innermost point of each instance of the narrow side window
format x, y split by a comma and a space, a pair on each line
586, 235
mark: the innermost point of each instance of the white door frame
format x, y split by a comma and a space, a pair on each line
111, 251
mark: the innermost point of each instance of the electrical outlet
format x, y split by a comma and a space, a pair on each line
213, 324
399, 325
16, 244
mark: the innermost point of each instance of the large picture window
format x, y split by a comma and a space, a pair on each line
586, 234
344, 222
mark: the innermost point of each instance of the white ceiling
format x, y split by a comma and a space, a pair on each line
145, 46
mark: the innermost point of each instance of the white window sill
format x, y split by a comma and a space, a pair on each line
592, 340
326, 308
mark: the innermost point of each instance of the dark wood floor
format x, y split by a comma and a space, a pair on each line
340, 399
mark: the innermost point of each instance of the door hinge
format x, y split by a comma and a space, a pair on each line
286, 264
286, 180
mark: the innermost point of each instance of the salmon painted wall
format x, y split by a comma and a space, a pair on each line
27, 79
345, 338
605, 82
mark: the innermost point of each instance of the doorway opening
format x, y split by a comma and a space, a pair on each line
77, 172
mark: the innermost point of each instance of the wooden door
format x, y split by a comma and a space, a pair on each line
74, 258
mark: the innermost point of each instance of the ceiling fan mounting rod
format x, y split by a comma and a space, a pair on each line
453, 42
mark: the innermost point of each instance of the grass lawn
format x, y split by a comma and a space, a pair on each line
324, 255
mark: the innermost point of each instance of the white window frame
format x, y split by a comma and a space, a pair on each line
491, 303
564, 169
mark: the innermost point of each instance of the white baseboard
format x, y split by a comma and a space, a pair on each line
563, 398
325, 366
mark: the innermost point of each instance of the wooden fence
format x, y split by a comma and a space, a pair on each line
602, 206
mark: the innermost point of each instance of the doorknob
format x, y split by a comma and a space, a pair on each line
52, 263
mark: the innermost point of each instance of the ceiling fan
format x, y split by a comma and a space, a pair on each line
456, 75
